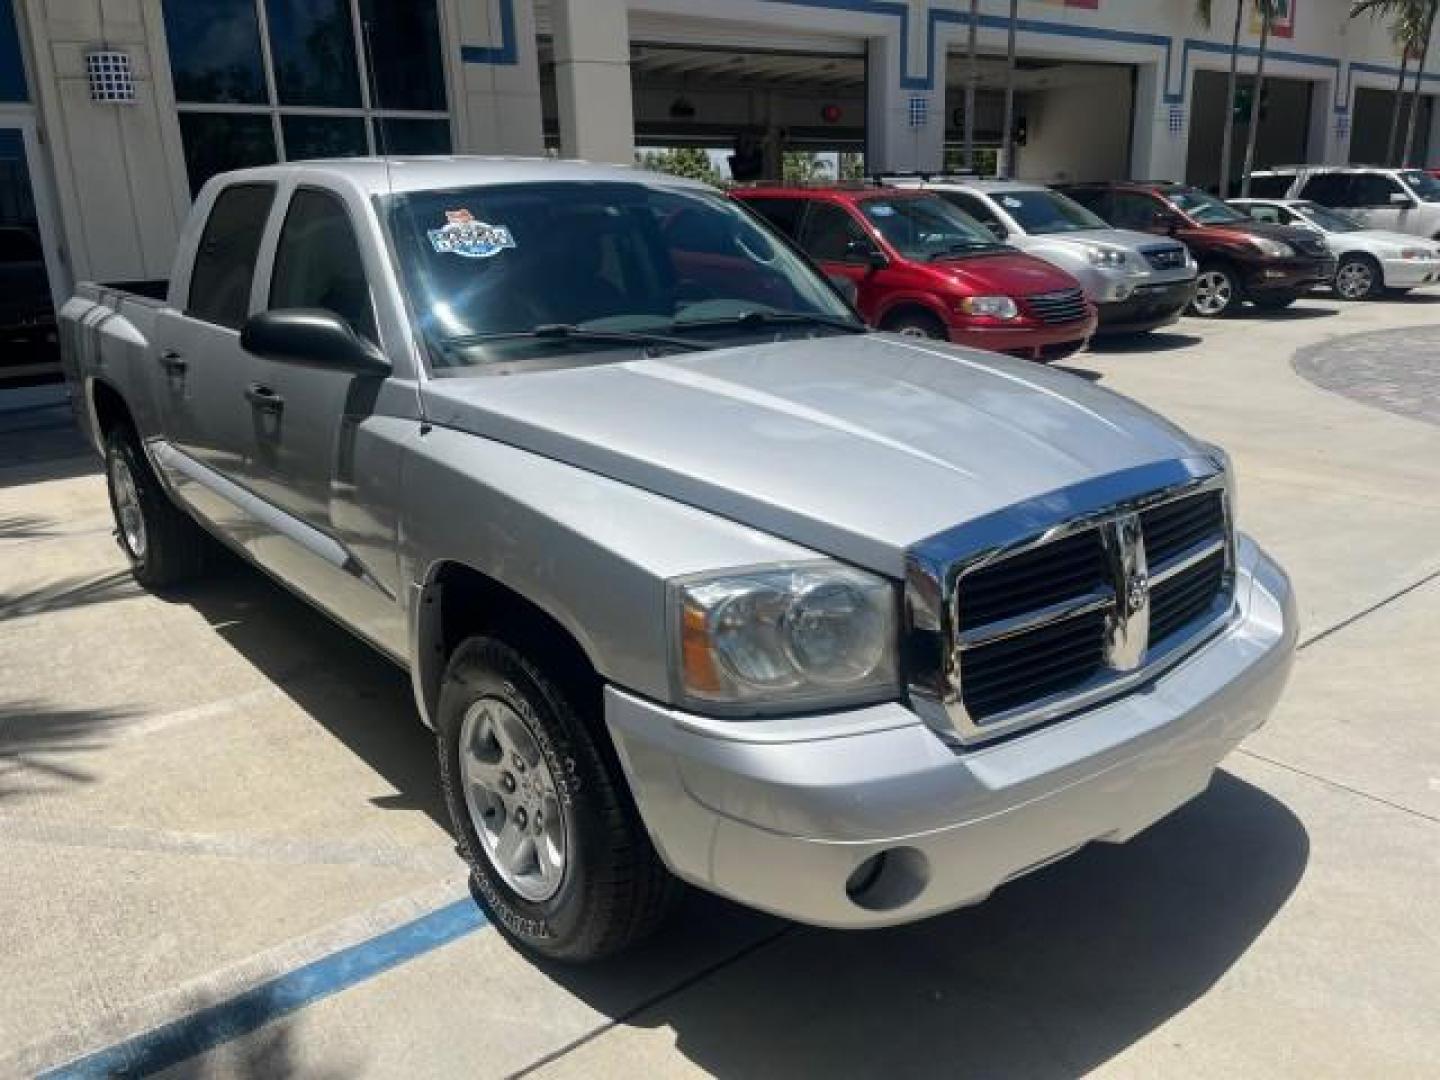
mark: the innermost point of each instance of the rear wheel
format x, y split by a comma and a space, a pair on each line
1217, 292
1358, 277
917, 324
558, 854
162, 544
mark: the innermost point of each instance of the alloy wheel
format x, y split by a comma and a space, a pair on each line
1213, 293
128, 513
1354, 281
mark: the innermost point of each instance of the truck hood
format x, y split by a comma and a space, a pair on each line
853, 446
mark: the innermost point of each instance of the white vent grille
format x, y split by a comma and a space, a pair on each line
112, 80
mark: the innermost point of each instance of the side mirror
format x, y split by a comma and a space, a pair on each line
1400, 199
311, 336
845, 287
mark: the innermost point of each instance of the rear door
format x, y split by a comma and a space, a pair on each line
203, 373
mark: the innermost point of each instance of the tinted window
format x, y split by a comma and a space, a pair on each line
1269, 214
1329, 189
1096, 200
1422, 184
19, 246
1131, 210
312, 43
225, 260
976, 208
784, 214
317, 262
215, 50
1373, 189
1270, 187
323, 137
405, 42
218, 142
1046, 212
12, 72
828, 232
927, 228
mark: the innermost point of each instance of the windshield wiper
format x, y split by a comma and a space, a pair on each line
571, 332
771, 318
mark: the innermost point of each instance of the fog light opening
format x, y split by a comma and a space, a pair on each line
888, 879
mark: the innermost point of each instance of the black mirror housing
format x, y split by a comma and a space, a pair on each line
314, 337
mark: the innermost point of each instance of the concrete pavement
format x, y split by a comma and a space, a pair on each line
202, 793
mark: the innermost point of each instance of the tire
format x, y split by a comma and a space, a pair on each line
1275, 301
584, 881
1359, 277
163, 546
1218, 292
917, 324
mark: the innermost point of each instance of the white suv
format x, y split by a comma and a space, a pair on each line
1397, 200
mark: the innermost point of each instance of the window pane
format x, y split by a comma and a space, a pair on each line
405, 43
12, 73
215, 51
218, 142
312, 43
827, 233
317, 262
225, 260
413, 136
784, 214
323, 137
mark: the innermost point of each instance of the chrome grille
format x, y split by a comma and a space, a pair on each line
1061, 617
1057, 307
1170, 257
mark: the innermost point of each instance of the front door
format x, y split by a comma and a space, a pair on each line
1372, 193
31, 281
835, 239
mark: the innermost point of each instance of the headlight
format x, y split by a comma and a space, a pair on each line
1274, 248
996, 307
1109, 258
816, 634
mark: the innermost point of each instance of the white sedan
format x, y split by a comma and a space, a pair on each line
1370, 261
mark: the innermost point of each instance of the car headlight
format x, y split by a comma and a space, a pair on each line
813, 634
996, 307
1274, 248
1108, 258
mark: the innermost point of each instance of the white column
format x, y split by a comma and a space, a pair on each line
1161, 135
904, 124
592, 80
495, 93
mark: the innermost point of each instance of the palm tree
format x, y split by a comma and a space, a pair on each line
1008, 165
1398, 34
972, 76
1414, 22
1204, 9
1429, 26
1268, 11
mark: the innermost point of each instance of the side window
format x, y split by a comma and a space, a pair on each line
1261, 212
1329, 189
827, 233
1129, 210
784, 214
1271, 187
978, 209
225, 260
1097, 201
317, 262
1374, 189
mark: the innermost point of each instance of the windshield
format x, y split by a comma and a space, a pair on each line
926, 227
1423, 184
485, 268
1206, 209
1336, 221
1040, 212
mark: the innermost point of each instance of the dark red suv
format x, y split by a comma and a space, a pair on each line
921, 267
1240, 258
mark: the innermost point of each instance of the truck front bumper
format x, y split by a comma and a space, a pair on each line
868, 818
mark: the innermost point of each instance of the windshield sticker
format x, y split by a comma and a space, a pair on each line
1012, 202
463, 235
881, 210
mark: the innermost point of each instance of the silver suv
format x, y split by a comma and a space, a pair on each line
1137, 282
1395, 200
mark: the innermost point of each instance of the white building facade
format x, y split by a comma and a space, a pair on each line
101, 164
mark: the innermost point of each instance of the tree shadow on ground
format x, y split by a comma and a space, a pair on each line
40, 742
70, 593
1054, 975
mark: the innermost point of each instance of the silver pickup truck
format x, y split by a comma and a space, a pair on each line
696, 579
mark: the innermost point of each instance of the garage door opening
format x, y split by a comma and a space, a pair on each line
1370, 127
1284, 137
1073, 119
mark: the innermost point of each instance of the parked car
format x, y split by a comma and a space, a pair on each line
847, 627
922, 268
1370, 261
1136, 282
1271, 266
1397, 200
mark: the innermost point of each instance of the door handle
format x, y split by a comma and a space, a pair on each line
262, 397
173, 362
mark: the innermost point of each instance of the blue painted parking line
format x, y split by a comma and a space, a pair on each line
217, 1024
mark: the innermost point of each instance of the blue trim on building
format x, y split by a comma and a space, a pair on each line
12, 66
507, 52
183, 1039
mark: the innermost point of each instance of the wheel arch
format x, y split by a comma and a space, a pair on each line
911, 305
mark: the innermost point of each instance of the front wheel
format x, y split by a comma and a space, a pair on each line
917, 324
1217, 293
1358, 277
558, 855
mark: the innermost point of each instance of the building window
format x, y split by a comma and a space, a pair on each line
259, 81
12, 71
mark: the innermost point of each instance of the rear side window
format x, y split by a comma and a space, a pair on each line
784, 214
1374, 189
1330, 189
1270, 187
1131, 210
1096, 200
317, 263
225, 261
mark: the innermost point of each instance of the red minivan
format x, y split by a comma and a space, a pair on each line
921, 267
